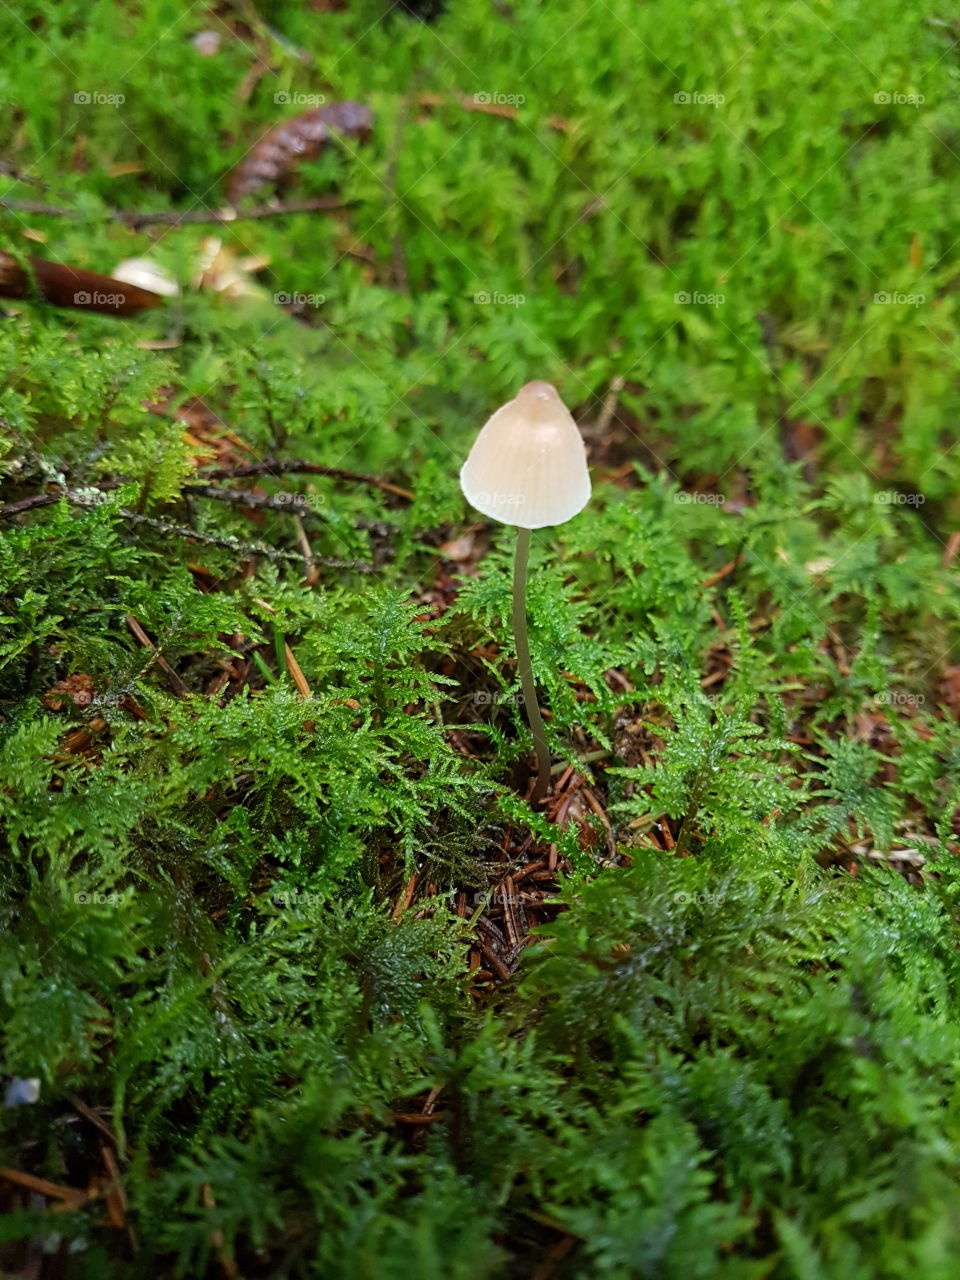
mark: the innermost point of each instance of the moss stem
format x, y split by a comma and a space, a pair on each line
534, 718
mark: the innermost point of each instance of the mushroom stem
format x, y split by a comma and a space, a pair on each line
534, 718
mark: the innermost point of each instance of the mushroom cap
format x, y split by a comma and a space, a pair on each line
528, 466
146, 275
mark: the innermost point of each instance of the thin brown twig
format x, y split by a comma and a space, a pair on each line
90, 498
177, 687
599, 810
294, 503
950, 550
493, 961
241, 548
403, 902
92, 1116
51, 1190
79, 497
727, 569
190, 217
271, 466
609, 407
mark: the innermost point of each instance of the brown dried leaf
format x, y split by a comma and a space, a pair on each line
74, 287
302, 137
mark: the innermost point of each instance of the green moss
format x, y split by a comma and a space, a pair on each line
236, 913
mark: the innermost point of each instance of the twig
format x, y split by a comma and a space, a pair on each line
90, 1115
511, 916
177, 687
950, 550
295, 672
80, 497
17, 175
403, 902
609, 407
242, 548
728, 568
51, 1190
416, 1117
295, 503
598, 809
91, 498
190, 217
271, 466
493, 960
308, 567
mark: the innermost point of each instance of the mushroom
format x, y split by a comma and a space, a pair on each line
146, 274
528, 468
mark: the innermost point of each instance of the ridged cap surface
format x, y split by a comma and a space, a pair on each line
528, 466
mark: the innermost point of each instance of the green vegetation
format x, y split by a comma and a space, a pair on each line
309, 988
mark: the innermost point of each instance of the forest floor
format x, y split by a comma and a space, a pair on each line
294, 979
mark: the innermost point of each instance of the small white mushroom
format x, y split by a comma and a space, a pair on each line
146, 275
528, 466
